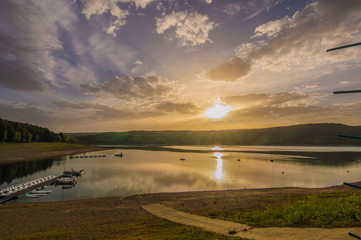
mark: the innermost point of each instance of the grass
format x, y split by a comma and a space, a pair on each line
40, 147
317, 210
94, 219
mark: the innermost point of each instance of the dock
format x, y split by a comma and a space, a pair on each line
24, 191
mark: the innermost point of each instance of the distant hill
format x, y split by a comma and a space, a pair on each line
321, 134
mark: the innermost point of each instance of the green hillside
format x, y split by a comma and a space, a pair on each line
307, 134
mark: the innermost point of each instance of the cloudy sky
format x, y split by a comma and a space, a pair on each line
119, 65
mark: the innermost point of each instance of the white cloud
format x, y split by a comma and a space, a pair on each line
191, 29
232, 8
272, 28
99, 7
296, 46
139, 3
345, 82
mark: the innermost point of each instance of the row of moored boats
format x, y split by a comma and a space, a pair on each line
19, 187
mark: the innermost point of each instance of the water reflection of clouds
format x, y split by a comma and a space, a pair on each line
142, 171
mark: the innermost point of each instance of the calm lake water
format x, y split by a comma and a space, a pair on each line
205, 168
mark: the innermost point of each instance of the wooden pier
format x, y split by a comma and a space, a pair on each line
24, 191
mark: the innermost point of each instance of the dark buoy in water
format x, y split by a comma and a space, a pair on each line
283, 172
238, 160
271, 160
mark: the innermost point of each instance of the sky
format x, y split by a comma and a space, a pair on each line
121, 65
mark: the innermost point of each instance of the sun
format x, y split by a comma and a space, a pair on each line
217, 111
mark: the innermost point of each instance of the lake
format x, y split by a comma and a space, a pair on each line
154, 170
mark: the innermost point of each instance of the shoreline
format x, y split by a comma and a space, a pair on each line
123, 217
10, 153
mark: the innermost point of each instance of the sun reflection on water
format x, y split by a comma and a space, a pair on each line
219, 172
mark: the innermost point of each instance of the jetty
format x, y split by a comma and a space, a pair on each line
25, 189
20, 190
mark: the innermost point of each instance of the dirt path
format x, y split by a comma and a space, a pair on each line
245, 231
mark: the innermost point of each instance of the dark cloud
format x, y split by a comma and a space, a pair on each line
21, 76
29, 37
105, 112
34, 115
183, 108
128, 88
229, 71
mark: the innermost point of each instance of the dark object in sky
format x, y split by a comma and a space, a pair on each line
349, 91
354, 235
351, 185
341, 47
349, 136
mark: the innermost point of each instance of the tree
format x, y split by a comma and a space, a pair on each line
30, 136
4, 136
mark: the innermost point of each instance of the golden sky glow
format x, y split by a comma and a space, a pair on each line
217, 111
88, 66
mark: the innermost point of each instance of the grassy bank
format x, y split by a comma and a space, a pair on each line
123, 218
324, 210
40, 147
35, 151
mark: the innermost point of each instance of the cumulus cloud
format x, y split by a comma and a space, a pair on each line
130, 88
298, 43
118, 15
29, 37
301, 40
99, 7
191, 29
183, 108
229, 71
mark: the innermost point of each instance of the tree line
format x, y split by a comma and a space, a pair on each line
17, 132
302, 135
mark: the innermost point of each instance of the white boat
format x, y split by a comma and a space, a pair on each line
41, 192
31, 196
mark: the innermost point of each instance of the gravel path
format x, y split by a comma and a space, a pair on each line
245, 231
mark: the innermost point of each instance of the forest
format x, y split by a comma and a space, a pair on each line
17, 132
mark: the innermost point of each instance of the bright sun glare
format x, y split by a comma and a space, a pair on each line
217, 111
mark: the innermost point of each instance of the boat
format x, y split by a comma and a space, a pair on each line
31, 196
182, 158
41, 192
65, 181
72, 173
119, 155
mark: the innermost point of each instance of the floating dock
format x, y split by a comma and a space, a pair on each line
26, 190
